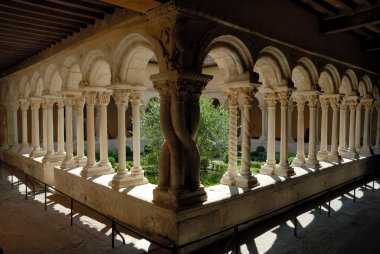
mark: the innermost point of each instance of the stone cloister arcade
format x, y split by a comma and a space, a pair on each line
48, 109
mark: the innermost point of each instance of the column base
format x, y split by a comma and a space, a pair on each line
80, 160
376, 149
37, 153
334, 158
24, 150
299, 162
351, 154
175, 200
97, 170
68, 163
342, 152
312, 163
228, 179
284, 170
267, 168
15, 148
322, 155
366, 151
127, 180
246, 181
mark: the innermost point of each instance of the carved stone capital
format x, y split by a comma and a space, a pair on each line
232, 98
90, 97
70, 100
103, 98
121, 97
15, 105
35, 103
60, 102
283, 97
247, 94
352, 104
334, 102
300, 100
367, 104
343, 105
48, 102
24, 104
312, 100
80, 102
271, 99
325, 102
135, 99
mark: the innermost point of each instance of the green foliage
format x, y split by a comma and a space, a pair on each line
151, 173
112, 161
260, 149
211, 177
218, 165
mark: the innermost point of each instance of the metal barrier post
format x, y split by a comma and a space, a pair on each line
320, 209
12, 180
113, 234
236, 233
354, 195
329, 208
174, 250
71, 211
45, 196
295, 222
26, 187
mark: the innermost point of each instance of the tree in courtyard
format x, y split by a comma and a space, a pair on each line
212, 137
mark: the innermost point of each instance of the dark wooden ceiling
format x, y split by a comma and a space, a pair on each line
27, 27
359, 17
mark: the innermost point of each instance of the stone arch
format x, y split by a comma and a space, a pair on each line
52, 79
37, 84
362, 89
131, 57
96, 69
375, 93
368, 84
349, 83
273, 68
232, 57
13, 91
71, 73
305, 75
24, 87
329, 79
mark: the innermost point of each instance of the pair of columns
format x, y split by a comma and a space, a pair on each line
123, 178
366, 149
245, 178
377, 145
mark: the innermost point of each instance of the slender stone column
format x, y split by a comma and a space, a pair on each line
90, 168
342, 149
80, 159
35, 106
283, 168
245, 179
270, 164
104, 166
69, 161
334, 155
299, 161
377, 145
358, 129
317, 126
60, 155
290, 118
351, 152
48, 102
323, 153
311, 160
264, 120
229, 177
9, 125
24, 106
15, 144
366, 149
44, 124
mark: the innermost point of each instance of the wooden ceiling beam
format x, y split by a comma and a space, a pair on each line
45, 11
350, 22
39, 16
27, 37
47, 24
17, 30
30, 44
36, 28
87, 5
65, 8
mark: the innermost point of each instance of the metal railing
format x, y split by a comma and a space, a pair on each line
295, 207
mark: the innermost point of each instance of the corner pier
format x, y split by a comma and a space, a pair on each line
225, 205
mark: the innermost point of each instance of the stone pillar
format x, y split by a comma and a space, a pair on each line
229, 177
48, 102
80, 159
366, 149
300, 161
377, 145
69, 161
9, 125
264, 120
35, 106
358, 129
60, 155
290, 118
283, 168
323, 153
90, 168
269, 166
15, 144
342, 149
24, 106
334, 155
317, 126
245, 179
179, 166
44, 125
311, 160
351, 152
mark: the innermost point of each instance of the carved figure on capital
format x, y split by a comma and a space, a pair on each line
325, 102
35, 104
271, 99
121, 97
283, 97
24, 105
104, 98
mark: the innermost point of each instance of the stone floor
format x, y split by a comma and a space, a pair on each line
26, 228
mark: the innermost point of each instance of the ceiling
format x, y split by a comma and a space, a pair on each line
28, 27
359, 17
